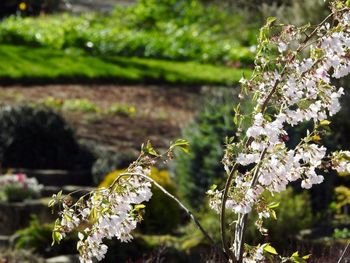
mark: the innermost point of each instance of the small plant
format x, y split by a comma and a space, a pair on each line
341, 233
342, 194
37, 238
52, 102
39, 138
83, 105
18, 187
121, 109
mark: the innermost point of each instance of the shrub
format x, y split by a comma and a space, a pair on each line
107, 162
83, 105
37, 237
162, 214
177, 30
341, 233
121, 109
294, 214
38, 138
202, 167
297, 11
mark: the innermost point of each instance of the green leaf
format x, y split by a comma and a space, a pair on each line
213, 187
93, 215
56, 237
273, 214
325, 122
270, 20
264, 31
306, 256
51, 203
270, 249
273, 205
182, 144
295, 254
148, 149
297, 259
316, 138
139, 207
304, 104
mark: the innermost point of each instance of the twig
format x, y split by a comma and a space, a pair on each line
343, 254
242, 222
188, 212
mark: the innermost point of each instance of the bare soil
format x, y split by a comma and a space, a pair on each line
161, 111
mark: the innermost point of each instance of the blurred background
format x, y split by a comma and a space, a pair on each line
84, 83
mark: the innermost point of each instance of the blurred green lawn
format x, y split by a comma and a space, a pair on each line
29, 65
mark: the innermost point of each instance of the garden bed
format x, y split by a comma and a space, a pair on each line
160, 111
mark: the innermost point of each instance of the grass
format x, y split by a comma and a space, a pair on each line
38, 65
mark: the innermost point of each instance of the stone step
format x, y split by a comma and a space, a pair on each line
63, 259
4, 241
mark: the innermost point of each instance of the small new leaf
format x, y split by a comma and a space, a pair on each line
51, 203
148, 149
270, 249
270, 20
213, 187
139, 207
182, 144
297, 259
325, 122
295, 254
273, 205
273, 214
56, 237
316, 138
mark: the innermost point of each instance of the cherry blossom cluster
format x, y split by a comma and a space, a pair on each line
108, 212
341, 162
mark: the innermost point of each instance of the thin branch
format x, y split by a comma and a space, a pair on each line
242, 223
223, 213
343, 254
188, 212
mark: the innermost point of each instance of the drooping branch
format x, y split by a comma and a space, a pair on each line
181, 205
